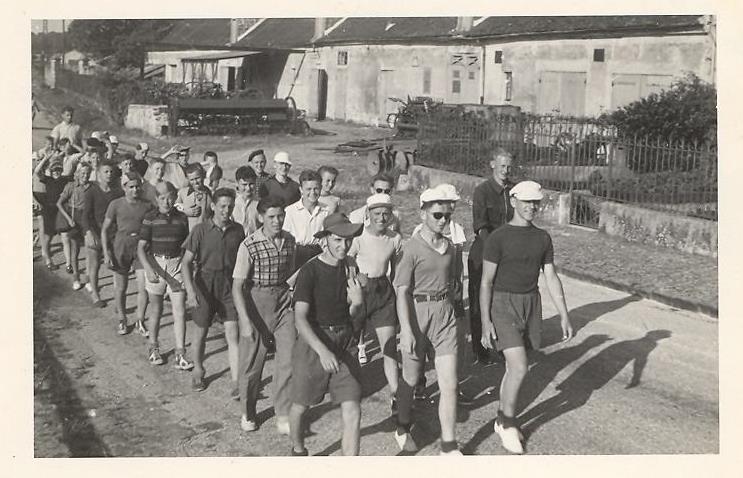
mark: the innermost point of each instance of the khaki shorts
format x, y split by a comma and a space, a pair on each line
517, 319
310, 382
434, 328
173, 267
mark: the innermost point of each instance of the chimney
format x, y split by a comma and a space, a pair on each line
320, 25
233, 30
464, 24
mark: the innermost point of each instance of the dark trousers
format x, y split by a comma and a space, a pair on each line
474, 271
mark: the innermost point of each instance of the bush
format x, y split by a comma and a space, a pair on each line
685, 112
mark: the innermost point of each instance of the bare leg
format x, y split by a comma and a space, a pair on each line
386, 337
93, 264
121, 282
45, 250
351, 415
142, 296
516, 367
156, 312
446, 374
231, 335
178, 307
66, 247
296, 426
74, 253
198, 342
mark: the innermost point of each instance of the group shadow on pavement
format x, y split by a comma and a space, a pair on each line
482, 381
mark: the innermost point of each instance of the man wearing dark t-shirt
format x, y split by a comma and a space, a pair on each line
97, 198
126, 214
510, 303
327, 299
281, 185
490, 210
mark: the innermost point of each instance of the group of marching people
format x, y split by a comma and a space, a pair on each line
288, 273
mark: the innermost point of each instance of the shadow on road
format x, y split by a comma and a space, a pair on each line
594, 374
53, 385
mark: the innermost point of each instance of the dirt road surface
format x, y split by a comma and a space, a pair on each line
638, 378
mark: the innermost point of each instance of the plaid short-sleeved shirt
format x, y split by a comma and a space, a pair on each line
259, 260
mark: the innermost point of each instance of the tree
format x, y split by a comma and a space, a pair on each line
122, 42
687, 111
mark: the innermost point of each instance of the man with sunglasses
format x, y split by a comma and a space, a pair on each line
380, 184
424, 282
510, 303
281, 185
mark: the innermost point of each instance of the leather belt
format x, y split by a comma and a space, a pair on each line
430, 297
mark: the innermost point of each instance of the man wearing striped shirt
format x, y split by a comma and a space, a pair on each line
160, 252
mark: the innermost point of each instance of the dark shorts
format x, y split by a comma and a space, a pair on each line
214, 293
517, 319
49, 216
310, 382
380, 309
125, 254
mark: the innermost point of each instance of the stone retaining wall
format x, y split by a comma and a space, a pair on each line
636, 224
147, 118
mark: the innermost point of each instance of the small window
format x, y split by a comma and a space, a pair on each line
509, 85
471, 75
598, 55
456, 86
498, 56
455, 74
427, 80
342, 58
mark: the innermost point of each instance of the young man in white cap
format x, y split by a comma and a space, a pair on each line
281, 185
126, 214
510, 303
455, 233
380, 184
425, 280
265, 260
377, 251
327, 301
305, 217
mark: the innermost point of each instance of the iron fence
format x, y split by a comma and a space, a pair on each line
587, 158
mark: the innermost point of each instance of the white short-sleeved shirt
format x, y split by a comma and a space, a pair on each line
374, 254
302, 223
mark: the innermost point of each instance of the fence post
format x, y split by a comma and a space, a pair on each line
571, 153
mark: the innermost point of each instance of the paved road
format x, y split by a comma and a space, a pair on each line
639, 377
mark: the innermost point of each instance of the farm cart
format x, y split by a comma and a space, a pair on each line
243, 116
